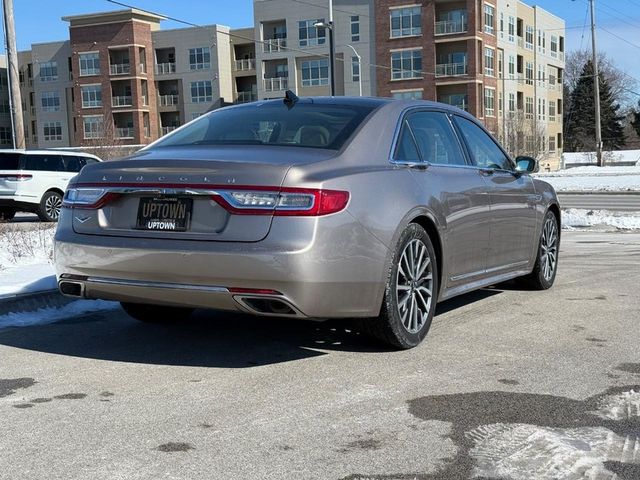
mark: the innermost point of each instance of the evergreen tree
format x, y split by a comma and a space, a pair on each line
580, 130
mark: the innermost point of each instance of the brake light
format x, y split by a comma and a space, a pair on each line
90, 198
282, 202
16, 177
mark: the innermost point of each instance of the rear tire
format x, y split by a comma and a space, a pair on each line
156, 313
7, 214
50, 205
410, 294
546, 266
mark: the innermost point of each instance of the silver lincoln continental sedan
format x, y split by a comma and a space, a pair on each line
317, 208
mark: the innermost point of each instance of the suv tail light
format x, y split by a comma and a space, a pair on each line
282, 202
16, 177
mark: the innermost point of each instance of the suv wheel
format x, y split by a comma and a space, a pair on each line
156, 313
411, 292
50, 205
7, 214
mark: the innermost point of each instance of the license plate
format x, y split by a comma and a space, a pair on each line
164, 213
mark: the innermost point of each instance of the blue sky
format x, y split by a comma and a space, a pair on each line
39, 20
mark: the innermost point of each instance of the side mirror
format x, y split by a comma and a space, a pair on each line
527, 165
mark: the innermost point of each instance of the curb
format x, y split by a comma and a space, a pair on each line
30, 302
630, 192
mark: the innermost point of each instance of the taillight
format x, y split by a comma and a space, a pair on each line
283, 202
16, 177
90, 198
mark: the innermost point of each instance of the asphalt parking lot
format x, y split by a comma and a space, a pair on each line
509, 384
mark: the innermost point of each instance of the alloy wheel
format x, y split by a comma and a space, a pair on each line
414, 286
52, 206
549, 247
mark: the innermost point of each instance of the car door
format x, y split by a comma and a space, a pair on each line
457, 188
47, 170
513, 199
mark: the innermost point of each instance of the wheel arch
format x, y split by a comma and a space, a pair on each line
53, 189
555, 209
430, 226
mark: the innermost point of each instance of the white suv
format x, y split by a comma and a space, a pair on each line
35, 180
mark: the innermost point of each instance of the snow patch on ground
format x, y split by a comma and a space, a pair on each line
594, 179
574, 218
625, 406
44, 316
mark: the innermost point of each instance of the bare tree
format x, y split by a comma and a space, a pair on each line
521, 135
621, 84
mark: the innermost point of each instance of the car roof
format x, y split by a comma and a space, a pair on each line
47, 152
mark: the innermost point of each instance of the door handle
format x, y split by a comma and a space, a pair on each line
486, 172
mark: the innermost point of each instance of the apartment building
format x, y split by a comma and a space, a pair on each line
121, 79
500, 60
291, 50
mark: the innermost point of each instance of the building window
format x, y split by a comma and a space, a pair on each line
500, 102
201, 91
310, 35
528, 112
406, 64
315, 73
489, 62
92, 126
512, 29
552, 111
529, 73
52, 131
89, 64
554, 46
528, 39
5, 136
512, 66
541, 75
48, 71
512, 102
405, 22
199, 58
500, 63
489, 13
355, 28
50, 101
542, 107
91, 96
552, 144
559, 141
407, 95
489, 102
355, 69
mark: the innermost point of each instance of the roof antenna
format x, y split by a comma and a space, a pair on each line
290, 99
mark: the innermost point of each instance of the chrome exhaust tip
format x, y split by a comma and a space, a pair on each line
71, 289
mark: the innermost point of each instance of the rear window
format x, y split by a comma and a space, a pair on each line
303, 125
10, 161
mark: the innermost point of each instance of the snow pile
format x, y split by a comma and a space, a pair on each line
51, 315
594, 179
26, 256
573, 218
627, 157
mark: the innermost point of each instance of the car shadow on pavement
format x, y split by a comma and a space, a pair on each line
208, 339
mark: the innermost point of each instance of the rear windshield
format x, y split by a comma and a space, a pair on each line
10, 161
303, 125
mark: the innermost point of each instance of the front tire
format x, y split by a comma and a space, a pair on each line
50, 205
156, 313
410, 294
546, 266
7, 214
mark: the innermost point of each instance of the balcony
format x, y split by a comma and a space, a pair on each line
166, 130
457, 100
124, 132
245, 64
165, 68
276, 84
448, 27
168, 100
122, 101
120, 68
246, 97
274, 45
451, 69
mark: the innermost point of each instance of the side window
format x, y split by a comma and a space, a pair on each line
436, 139
46, 163
483, 148
406, 149
72, 164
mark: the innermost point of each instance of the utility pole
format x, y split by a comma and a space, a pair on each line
332, 63
596, 86
14, 80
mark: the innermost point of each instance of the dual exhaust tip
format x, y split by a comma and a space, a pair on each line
71, 289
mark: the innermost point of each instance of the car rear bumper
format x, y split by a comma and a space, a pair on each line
314, 275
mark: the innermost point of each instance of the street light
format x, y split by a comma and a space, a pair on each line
359, 68
329, 26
